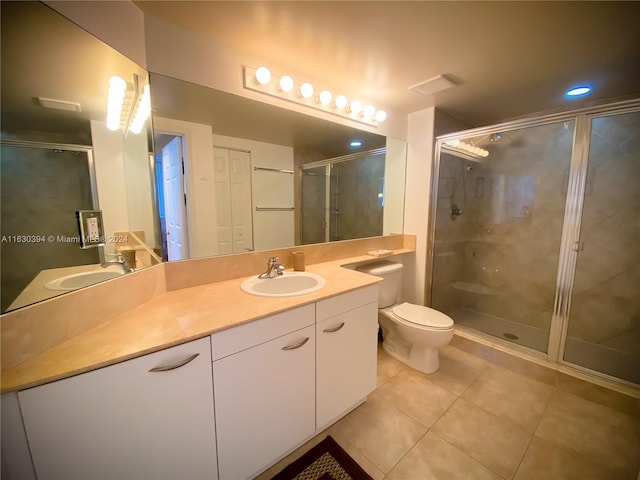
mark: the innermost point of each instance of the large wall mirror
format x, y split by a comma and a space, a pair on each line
58, 158
237, 175
218, 173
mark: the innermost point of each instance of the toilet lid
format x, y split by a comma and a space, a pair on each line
421, 315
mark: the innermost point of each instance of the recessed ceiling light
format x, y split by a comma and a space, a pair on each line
355, 143
578, 91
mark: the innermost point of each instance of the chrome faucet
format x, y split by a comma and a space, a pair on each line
274, 269
120, 261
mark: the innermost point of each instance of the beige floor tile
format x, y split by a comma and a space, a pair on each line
458, 370
414, 394
495, 442
435, 459
591, 429
388, 367
356, 454
380, 431
510, 395
545, 460
596, 393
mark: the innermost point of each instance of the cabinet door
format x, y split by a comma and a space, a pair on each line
346, 361
125, 421
265, 402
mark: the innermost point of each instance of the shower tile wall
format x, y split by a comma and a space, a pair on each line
499, 257
356, 207
41, 191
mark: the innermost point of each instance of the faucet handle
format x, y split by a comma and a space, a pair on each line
273, 261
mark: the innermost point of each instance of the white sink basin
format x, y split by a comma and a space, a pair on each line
83, 279
290, 284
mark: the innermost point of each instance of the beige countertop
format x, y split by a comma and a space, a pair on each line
172, 318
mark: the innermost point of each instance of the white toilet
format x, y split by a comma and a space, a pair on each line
411, 333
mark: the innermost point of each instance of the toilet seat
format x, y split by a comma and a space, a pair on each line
422, 316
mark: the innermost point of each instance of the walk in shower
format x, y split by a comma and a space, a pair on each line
535, 236
42, 185
343, 197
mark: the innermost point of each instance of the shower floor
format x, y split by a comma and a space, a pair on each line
603, 358
535, 338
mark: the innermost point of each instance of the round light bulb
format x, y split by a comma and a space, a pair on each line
306, 90
355, 107
263, 75
340, 102
325, 97
368, 111
286, 83
117, 83
381, 116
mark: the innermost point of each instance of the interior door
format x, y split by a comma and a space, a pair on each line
223, 200
240, 177
175, 200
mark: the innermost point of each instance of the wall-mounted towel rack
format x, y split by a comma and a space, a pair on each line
279, 170
274, 209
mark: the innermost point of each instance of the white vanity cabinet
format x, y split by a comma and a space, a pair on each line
346, 352
147, 418
264, 377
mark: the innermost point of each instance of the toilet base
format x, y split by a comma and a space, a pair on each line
425, 360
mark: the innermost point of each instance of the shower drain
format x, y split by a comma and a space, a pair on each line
510, 336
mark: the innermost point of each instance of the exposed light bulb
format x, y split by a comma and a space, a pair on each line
340, 102
355, 107
306, 90
286, 83
117, 89
263, 75
142, 112
368, 112
381, 116
325, 97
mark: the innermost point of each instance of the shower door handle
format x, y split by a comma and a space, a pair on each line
578, 246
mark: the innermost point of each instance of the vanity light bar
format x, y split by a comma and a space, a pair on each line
262, 80
127, 109
467, 148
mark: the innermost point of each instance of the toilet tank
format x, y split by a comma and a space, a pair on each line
390, 288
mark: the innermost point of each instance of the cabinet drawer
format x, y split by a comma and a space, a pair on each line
125, 421
236, 339
343, 303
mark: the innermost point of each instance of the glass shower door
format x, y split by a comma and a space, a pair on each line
603, 331
498, 228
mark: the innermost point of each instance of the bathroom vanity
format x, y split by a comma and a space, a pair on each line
225, 405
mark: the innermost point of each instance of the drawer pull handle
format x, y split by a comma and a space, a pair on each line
179, 364
334, 329
296, 345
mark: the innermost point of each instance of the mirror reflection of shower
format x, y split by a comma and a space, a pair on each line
343, 197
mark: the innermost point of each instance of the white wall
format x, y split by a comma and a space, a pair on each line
181, 54
394, 186
420, 139
139, 185
110, 179
269, 189
200, 186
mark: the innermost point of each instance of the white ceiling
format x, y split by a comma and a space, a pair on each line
510, 59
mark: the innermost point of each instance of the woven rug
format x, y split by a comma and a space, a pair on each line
326, 461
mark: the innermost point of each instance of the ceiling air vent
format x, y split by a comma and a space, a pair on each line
433, 85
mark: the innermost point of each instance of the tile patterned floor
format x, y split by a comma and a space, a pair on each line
487, 418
